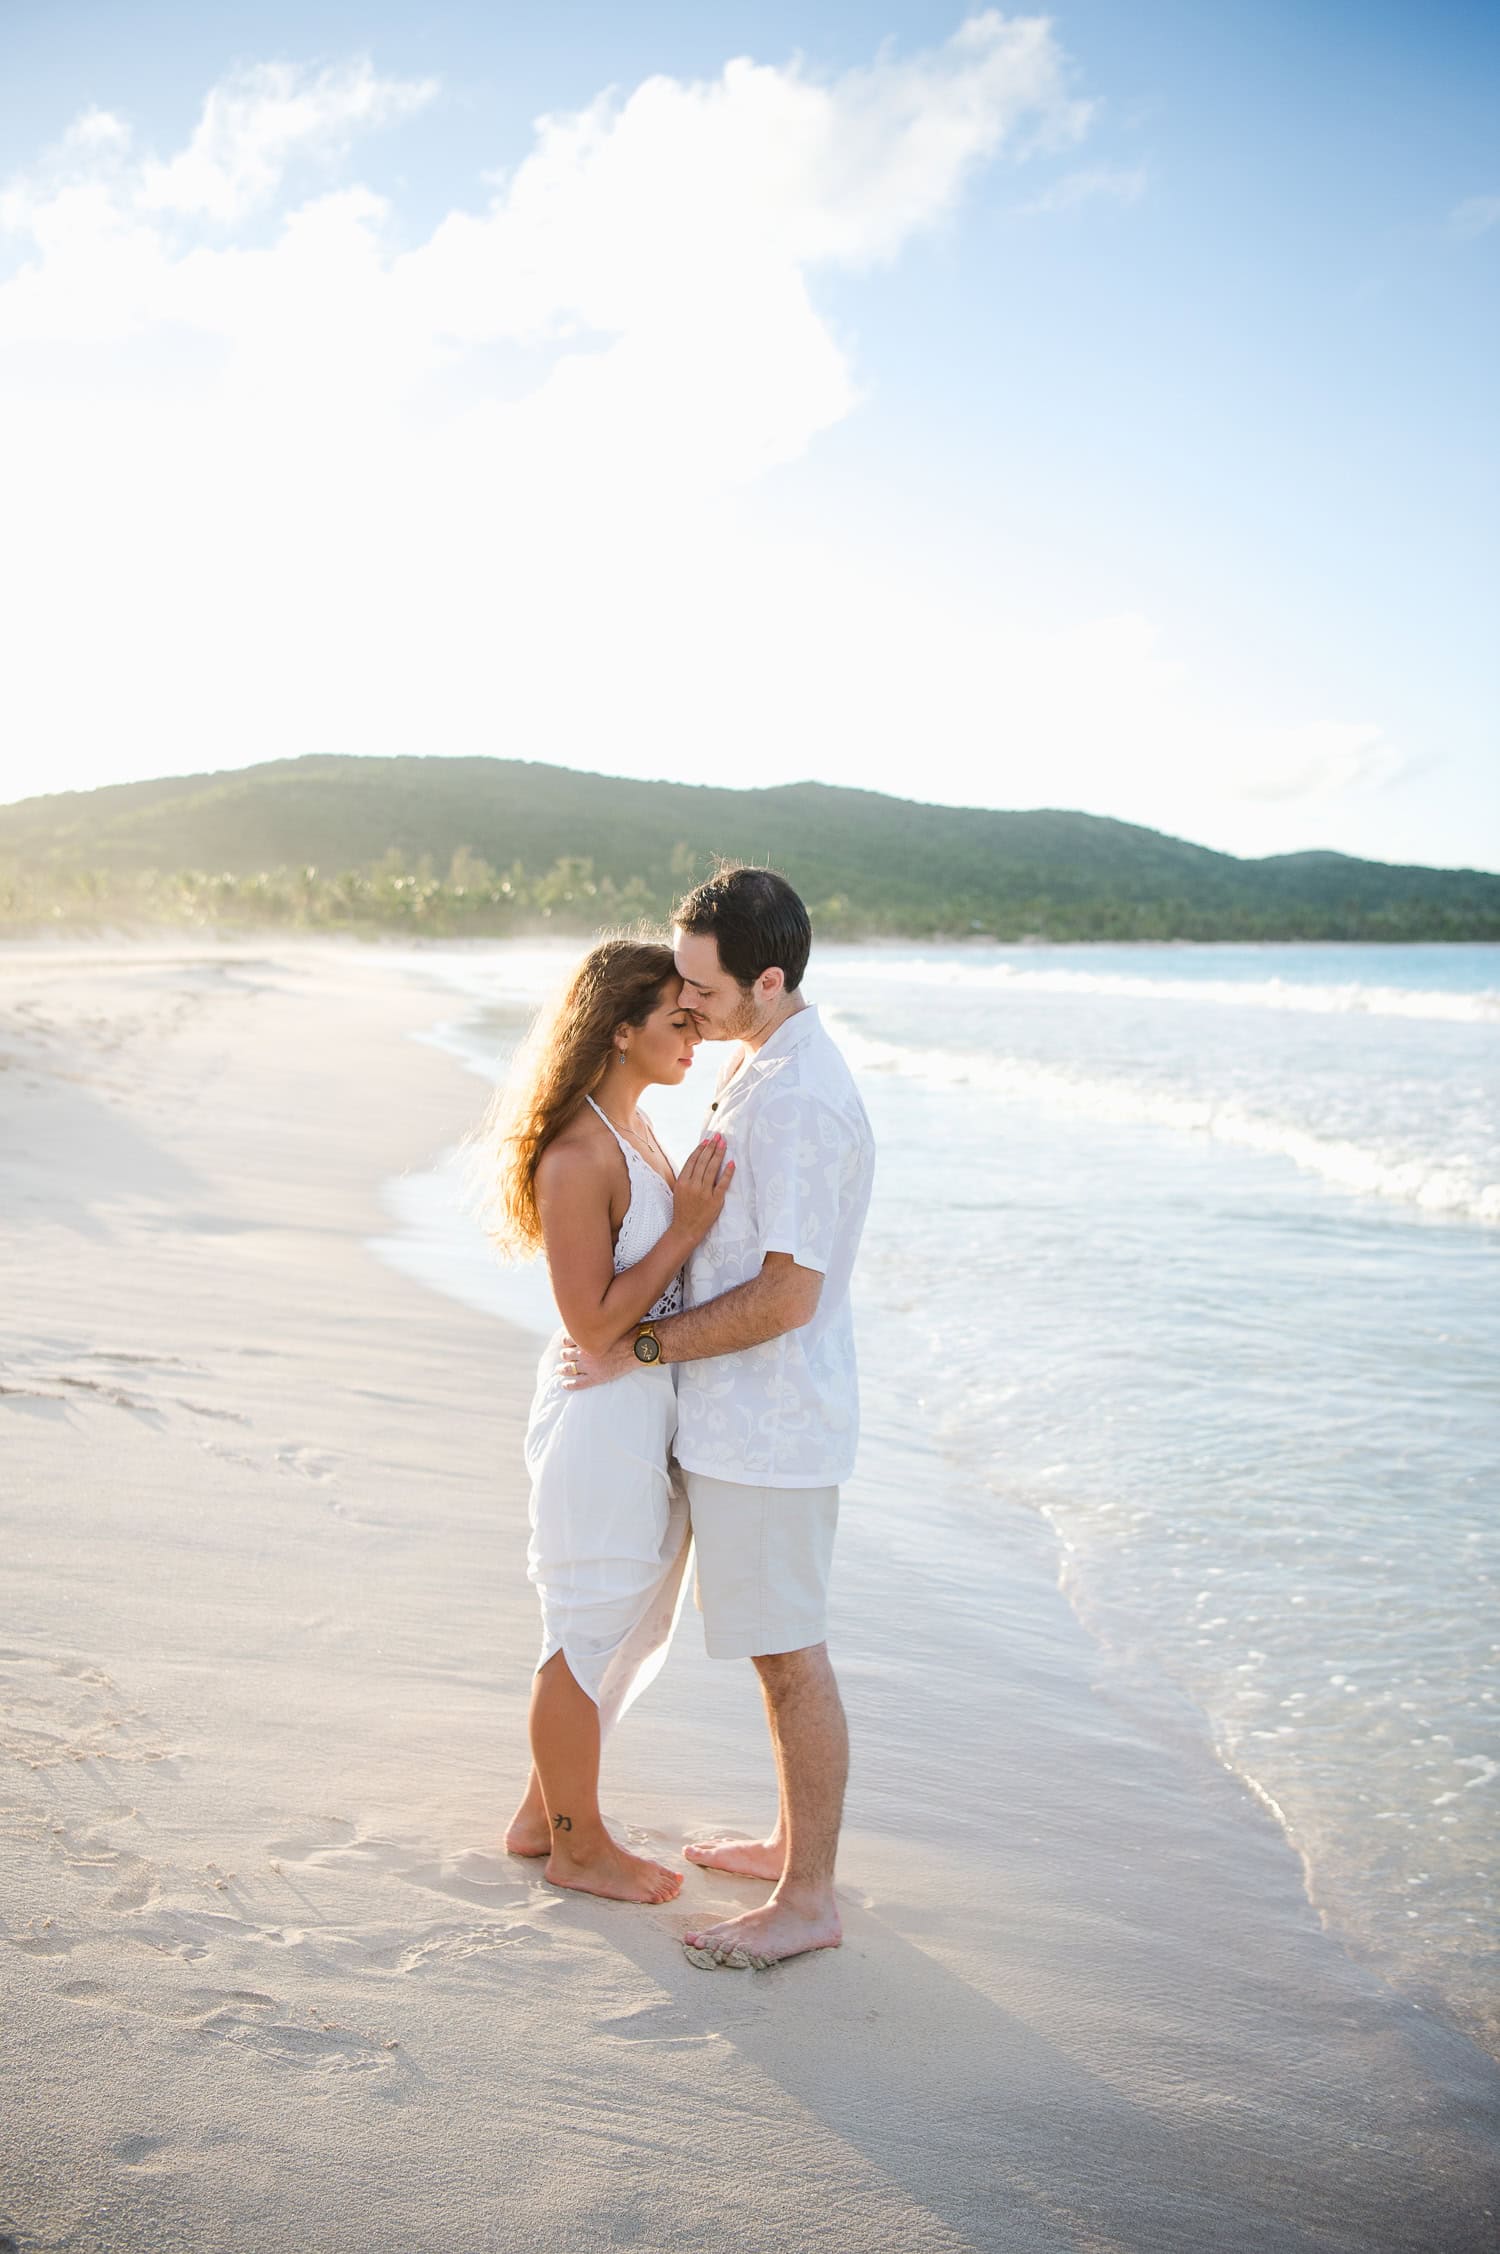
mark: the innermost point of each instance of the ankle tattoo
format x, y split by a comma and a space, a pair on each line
562, 1823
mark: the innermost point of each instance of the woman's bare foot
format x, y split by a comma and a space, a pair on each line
746, 1858
528, 1835
611, 1870
765, 1936
530, 1831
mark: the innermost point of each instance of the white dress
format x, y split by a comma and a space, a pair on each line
609, 1515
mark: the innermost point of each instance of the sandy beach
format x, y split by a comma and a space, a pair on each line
269, 1980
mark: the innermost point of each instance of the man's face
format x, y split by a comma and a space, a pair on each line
721, 1006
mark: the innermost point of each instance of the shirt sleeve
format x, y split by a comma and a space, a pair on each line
797, 1155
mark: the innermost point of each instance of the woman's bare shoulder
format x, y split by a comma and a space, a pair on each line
582, 1153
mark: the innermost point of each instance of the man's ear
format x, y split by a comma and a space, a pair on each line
771, 983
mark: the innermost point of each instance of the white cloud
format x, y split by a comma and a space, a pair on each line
1476, 215
659, 244
97, 129
1103, 184
258, 121
506, 490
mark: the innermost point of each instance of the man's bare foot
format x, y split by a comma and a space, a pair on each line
765, 1936
746, 1858
616, 1874
528, 1835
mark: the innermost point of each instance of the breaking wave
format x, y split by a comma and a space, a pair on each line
1362, 1170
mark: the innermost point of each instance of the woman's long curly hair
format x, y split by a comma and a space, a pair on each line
564, 1057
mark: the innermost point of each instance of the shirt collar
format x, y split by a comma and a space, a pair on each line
779, 1044
790, 1034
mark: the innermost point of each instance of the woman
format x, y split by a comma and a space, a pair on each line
583, 1177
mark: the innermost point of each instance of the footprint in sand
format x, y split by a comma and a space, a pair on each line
42, 1383
35, 1401
476, 1866
58, 1709
363, 1852
228, 1455
459, 1948
132, 1879
115, 1395
327, 2049
313, 1836
202, 1409
246, 2020
79, 1671
171, 2003
139, 2152
661, 2024
137, 1888
471, 1875
330, 1844
49, 1942
307, 1463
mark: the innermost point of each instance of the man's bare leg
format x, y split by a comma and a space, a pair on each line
811, 1741
565, 1749
751, 1858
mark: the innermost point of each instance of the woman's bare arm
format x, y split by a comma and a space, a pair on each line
574, 1185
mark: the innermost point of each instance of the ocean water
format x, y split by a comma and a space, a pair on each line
1190, 1255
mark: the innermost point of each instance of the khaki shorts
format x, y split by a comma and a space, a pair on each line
763, 1556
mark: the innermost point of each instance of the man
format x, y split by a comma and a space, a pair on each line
767, 1401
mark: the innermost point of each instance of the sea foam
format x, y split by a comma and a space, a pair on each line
1349, 998
1360, 1169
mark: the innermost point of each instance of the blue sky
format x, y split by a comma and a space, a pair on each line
1099, 416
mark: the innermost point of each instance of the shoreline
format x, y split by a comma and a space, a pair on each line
429, 1245
273, 1636
47, 938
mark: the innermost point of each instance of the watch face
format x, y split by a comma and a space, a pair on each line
647, 1348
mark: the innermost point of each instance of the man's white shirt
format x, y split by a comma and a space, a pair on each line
786, 1413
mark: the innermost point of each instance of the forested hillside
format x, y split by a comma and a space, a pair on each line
495, 845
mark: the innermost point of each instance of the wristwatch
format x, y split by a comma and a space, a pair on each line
647, 1345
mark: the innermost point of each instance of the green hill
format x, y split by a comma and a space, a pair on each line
494, 844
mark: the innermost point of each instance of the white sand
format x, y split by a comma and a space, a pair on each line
265, 1651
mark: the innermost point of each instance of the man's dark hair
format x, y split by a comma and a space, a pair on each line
757, 920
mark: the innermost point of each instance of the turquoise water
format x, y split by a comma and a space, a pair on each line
1191, 1253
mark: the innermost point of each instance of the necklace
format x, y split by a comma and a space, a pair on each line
631, 1136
